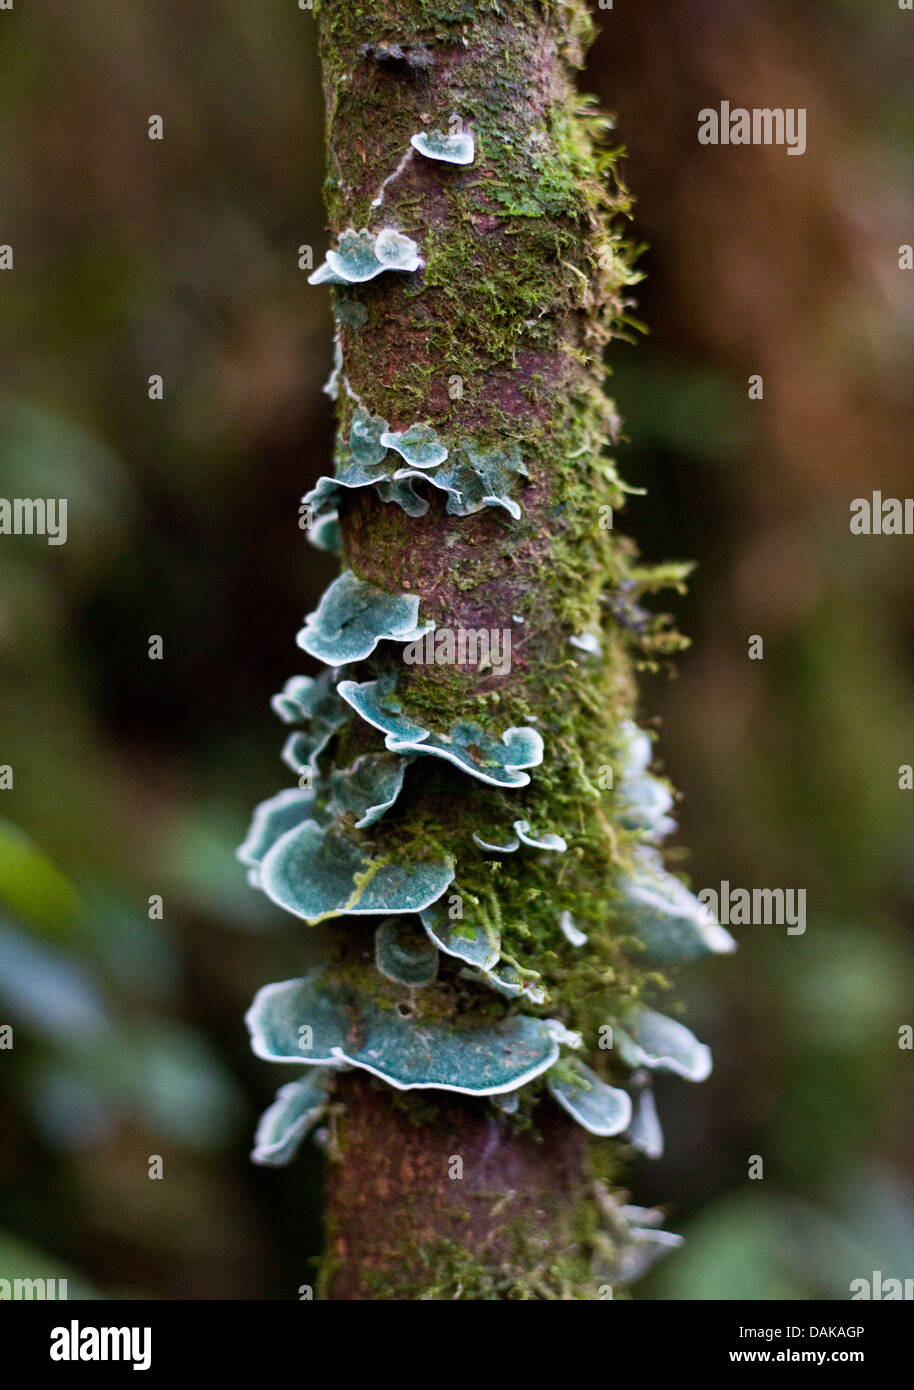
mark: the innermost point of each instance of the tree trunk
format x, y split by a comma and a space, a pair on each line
501, 340
453, 1205
478, 275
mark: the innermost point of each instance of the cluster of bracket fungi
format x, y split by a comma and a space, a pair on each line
312, 848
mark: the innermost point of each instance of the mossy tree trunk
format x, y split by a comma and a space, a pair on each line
499, 338
405, 1221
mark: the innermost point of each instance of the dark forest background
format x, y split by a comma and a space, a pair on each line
136, 777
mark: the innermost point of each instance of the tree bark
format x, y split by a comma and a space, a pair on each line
454, 1205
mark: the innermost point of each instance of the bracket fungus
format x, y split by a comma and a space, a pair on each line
400, 489
645, 1133
588, 643
673, 926
506, 979
367, 789
645, 803
569, 929
298, 1106
361, 467
353, 616
457, 148
363, 255
491, 848
366, 433
663, 1044
362, 792
601, 1109
313, 702
567, 1037
549, 841
644, 800
632, 1240
351, 312
324, 533
420, 446
404, 953
499, 762
325, 496
475, 478
331, 386
477, 946
414, 1052
316, 872
311, 699
271, 819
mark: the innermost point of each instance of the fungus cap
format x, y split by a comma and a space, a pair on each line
601, 1109
312, 872
353, 616
412, 1051
450, 149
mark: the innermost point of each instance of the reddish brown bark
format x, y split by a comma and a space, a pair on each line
410, 1201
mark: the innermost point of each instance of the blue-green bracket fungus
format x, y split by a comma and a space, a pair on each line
361, 256
419, 446
507, 980
272, 818
570, 930
630, 1241
673, 926
548, 841
354, 616
664, 1044
316, 872
496, 905
367, 789
405, 953
602, 1110
458, 148
645, 1132
324, 533
645, 800
510, 847
311, 700
477, 945
314, 1021
298, 1107
475, 478
500, 761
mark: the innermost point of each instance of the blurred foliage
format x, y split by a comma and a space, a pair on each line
135, 777
788, 268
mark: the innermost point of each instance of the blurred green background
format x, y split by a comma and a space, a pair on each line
135, 778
